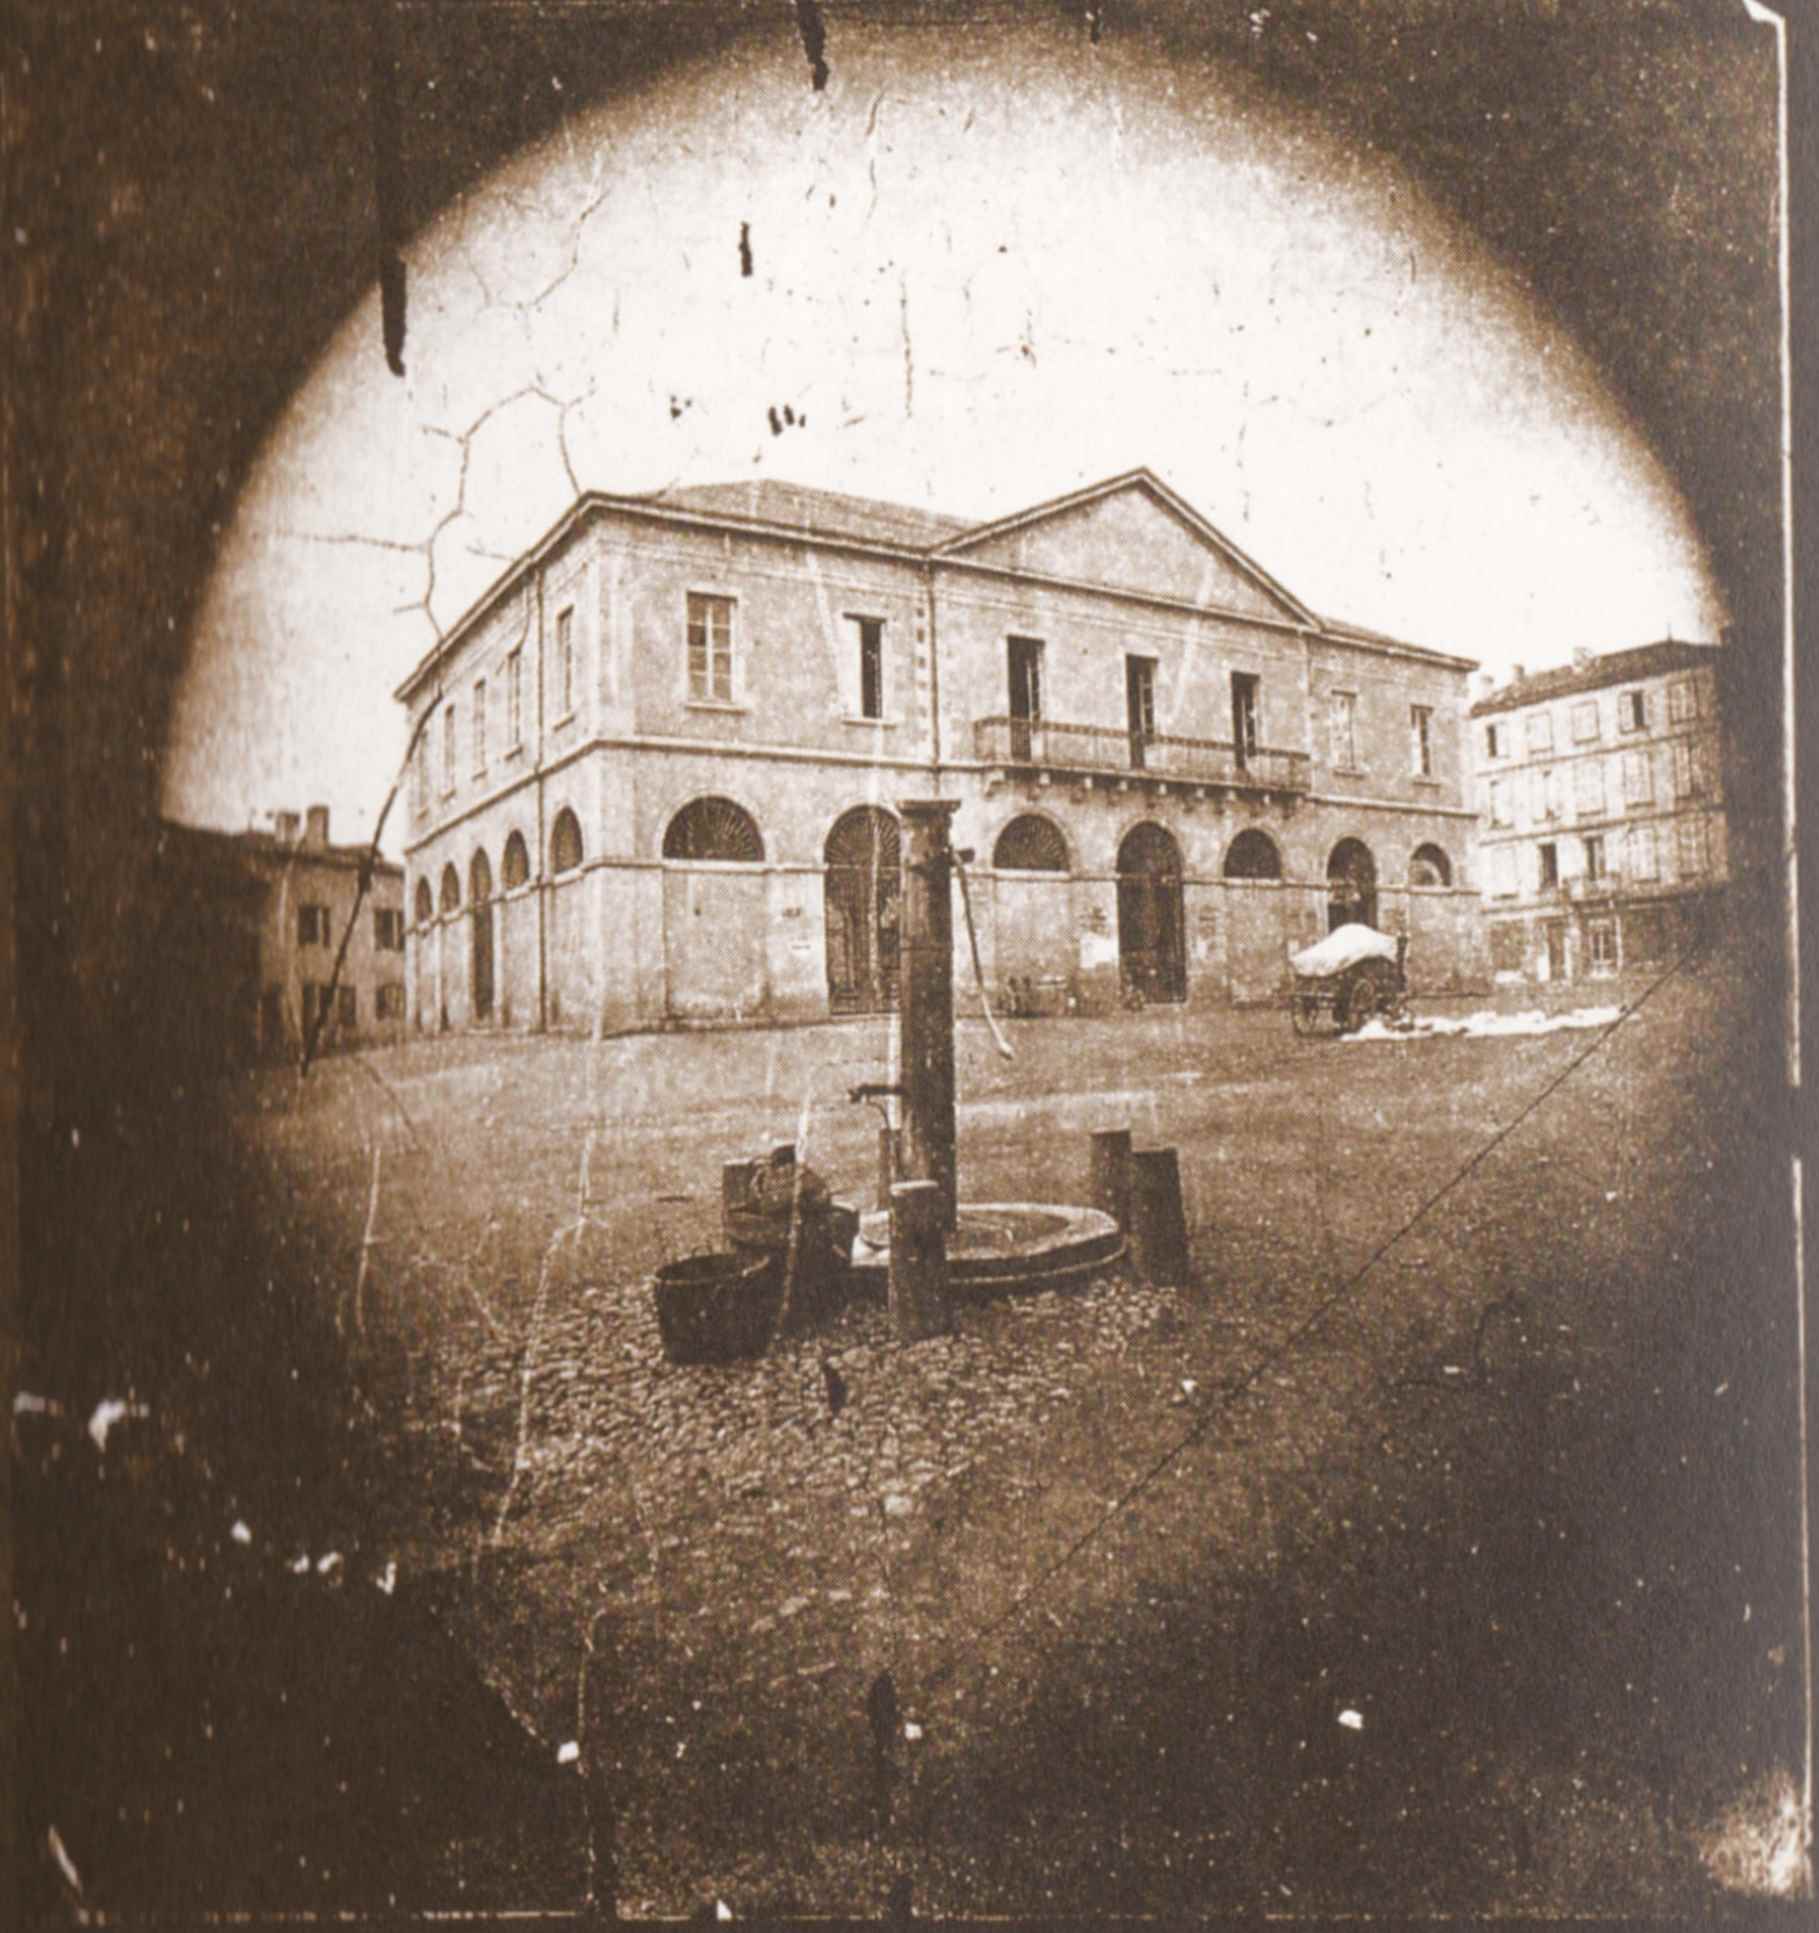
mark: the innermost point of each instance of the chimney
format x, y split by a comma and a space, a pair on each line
1517, 673
1486, 683
317, 834
286, 824
1583, 655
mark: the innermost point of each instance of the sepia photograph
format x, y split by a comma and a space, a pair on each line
905, 961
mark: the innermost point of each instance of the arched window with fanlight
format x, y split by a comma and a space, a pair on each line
714, 829
1429, 866
1030, 844
515, 867
1253, 855
426, 904
451, 890
565, 842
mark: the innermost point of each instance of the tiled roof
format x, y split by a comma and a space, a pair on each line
1611, 668
824, 513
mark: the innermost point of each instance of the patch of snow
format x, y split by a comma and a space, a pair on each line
1487, 1025
107, 1414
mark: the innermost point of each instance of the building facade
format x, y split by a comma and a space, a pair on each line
654, 771
259, 918
1602, 838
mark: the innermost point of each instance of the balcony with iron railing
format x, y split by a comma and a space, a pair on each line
1102, 751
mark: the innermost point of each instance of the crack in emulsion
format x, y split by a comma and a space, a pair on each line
814, 41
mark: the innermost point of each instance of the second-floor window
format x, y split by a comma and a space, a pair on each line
1642, 860
1496, 741
710, 648
1638, 779
1140, 704
1689, 774
1550, 864
1500, 802
1681, 703
1246, 704
448, 748
479, 726
870, 633
1342, 729
565, 662
1585, 722
1024, 662
388, 929
1540, 731
1632, 711
514, 698
1588, 787
312, 924
420, 773
1421, 741
1594, 856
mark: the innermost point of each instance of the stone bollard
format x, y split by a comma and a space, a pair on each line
1111, 1174
918, 1281
1158, 1220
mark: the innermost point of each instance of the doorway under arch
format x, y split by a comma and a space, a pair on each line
1152, 947
1351, 886
864, 888
480, 897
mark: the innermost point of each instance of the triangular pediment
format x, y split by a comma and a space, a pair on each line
1133, 534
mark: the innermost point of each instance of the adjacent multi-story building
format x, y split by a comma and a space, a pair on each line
1602, 835
655, 768
258, 919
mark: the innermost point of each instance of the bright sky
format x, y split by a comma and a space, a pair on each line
984, 270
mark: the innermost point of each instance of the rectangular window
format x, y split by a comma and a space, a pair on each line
1594, 856
1689, 776
1503, 871
1588, 787
388, 1001
1421, 741
448, 748
1140, 705
1507, 946
1632, 711
388, 929
1540, 796
565, 662
514, 698
1342, 730
312, 925
1550, 865
1691, 837
1602, 935
1681, 705
710, 649
1643, 864
349, 1004
1500, 802
1585, 722
420, 773
871, 665
1246, 703
1540, 731
1496, 741
1638, 779
1024, 658
479, 726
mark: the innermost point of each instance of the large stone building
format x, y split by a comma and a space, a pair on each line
251, 924
655, 767
1602, 840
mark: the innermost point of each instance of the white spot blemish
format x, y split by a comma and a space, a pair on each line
1353, 1721
107, 1414
240, 1533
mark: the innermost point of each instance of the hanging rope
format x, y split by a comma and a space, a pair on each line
972, 934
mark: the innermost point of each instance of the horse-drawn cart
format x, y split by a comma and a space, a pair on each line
1353, 975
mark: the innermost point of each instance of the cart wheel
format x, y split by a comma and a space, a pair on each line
1359, 998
